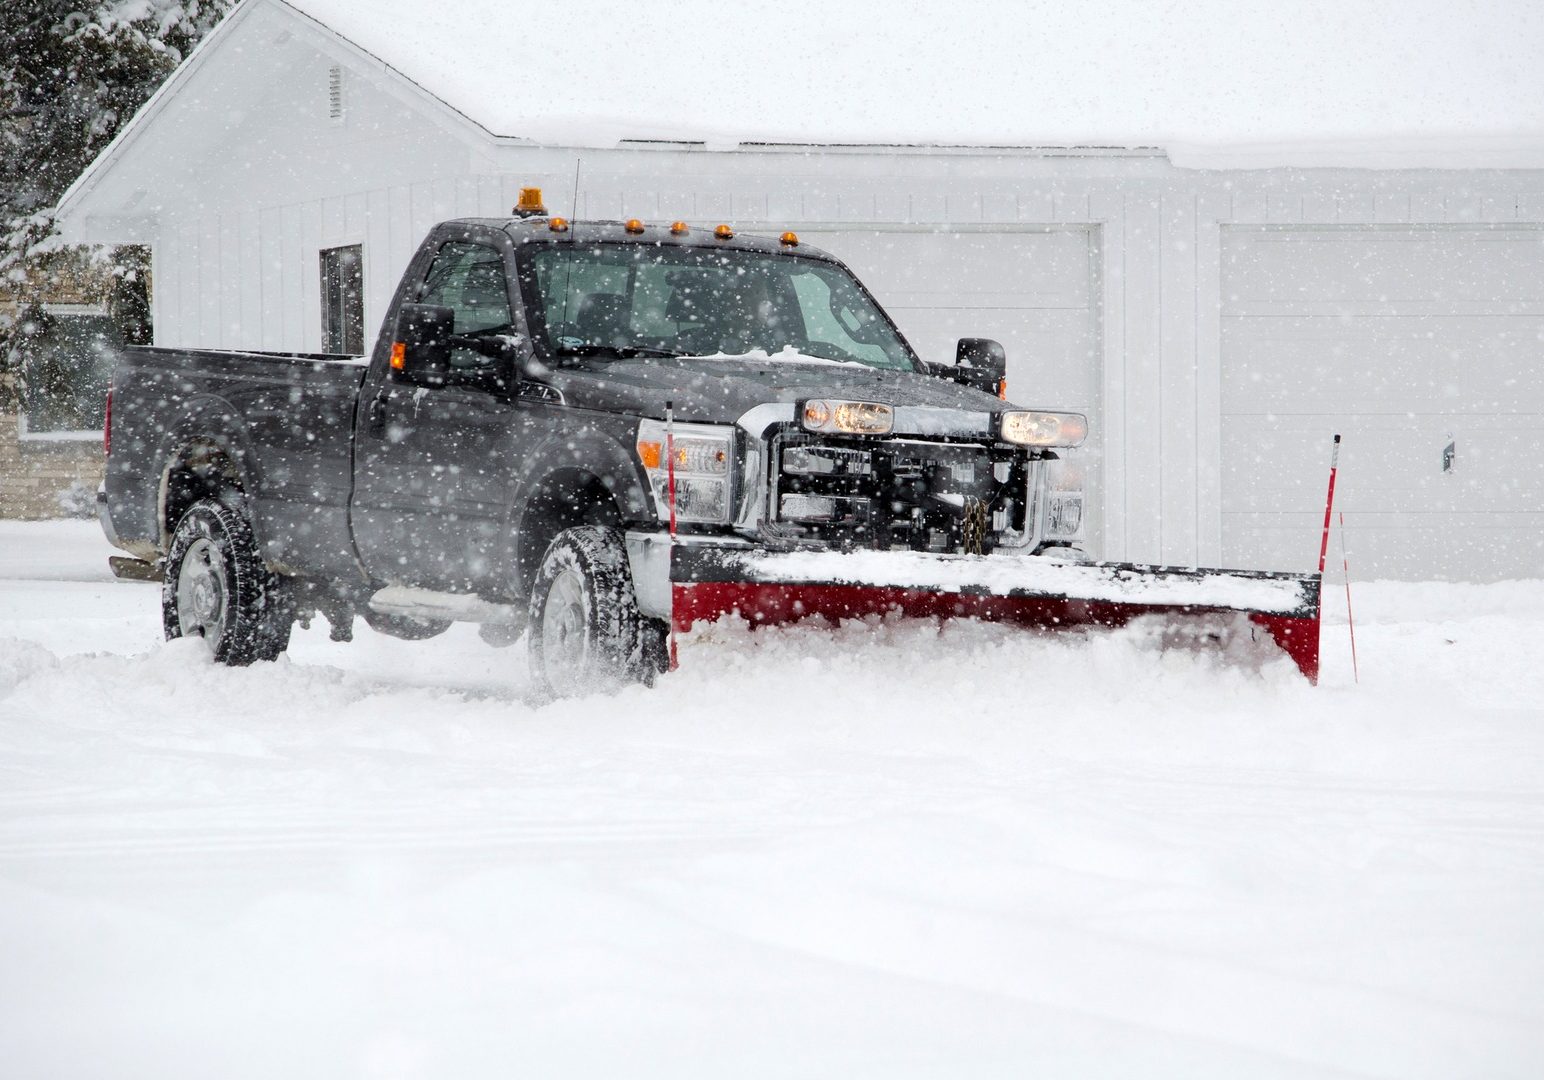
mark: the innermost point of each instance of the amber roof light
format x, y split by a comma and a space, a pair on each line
558, 224
790, 238
633, 225
529, 203
723, 232
677, 228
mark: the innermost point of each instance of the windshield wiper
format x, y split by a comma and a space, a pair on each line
623, 351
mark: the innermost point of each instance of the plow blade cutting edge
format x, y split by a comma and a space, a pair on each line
768, 588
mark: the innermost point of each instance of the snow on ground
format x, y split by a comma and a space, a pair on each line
895, 850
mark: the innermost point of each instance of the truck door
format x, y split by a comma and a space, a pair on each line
433, 478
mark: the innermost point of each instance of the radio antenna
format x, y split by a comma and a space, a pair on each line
568, 272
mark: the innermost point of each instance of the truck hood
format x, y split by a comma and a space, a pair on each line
718, 390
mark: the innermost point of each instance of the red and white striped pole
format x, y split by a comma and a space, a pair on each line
675, 660
1345, 569
1329, 503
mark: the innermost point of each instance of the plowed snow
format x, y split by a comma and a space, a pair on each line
889, 850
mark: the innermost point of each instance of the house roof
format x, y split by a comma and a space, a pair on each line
1214, 82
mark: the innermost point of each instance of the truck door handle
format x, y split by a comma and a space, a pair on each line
375, 421
1449, 455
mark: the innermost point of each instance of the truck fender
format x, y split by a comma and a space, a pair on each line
210, 421
582, 459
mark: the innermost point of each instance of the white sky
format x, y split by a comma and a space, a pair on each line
1297, 81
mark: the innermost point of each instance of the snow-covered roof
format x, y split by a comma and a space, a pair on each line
1216, 83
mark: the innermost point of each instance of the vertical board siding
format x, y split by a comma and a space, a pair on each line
249, 261
270, 224
1145, 420
229, 234
381, 266
1211, 208
1177, 428
1109, 210
310, 339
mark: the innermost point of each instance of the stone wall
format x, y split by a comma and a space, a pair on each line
45, 478
51, 478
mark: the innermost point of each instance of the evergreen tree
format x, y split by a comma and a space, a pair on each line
70, 76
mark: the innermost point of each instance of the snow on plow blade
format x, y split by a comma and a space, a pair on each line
767, 588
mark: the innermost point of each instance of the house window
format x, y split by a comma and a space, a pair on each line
67, 362
343, 300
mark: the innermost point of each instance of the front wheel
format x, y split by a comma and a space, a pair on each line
585, 632
217, 588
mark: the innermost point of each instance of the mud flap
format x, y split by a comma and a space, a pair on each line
764, 588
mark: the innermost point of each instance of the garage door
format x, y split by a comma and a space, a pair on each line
1033, 290
1424, 347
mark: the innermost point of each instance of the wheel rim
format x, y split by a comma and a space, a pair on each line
564, 639
203, 593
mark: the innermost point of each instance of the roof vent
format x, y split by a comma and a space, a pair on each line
335, 93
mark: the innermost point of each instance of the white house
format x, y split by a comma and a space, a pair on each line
1223, 264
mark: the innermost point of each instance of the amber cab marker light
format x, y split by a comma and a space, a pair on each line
723, 232
529, 203
558, 224
398, 355
1002, 389
633, 225
790, 238
677, 228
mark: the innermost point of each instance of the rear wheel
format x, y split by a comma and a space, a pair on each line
585, 632
217, 588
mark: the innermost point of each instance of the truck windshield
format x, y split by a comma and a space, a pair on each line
649, 300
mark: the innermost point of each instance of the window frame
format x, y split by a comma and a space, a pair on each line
326, 299
498, 375
24, 432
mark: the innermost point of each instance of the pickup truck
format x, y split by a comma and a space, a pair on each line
551, 408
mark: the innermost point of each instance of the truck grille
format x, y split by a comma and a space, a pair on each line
894, 493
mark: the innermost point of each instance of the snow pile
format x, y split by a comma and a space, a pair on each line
1004, 575
1250, 84
889, 850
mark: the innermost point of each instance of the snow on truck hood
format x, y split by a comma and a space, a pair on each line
721, 388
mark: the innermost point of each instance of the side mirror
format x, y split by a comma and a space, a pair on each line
986, 359
420, 352
978, 362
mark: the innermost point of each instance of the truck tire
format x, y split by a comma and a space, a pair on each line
217, 588
584, 630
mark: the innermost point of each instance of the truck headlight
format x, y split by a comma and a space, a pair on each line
1043, 428
703, 453
848, 417
1063, 500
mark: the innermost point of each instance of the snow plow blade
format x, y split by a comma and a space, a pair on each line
708, 583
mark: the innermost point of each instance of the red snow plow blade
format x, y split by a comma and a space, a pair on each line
769, 588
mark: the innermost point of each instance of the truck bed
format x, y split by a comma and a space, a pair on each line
286, 420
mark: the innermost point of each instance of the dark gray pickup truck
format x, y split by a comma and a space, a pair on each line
551, 409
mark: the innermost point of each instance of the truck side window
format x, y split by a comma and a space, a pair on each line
469, 279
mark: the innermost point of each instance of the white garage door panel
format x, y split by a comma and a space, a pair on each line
1368, 271
1032, 290
1394, 464
1470, 363
1405, 340
1444, 547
